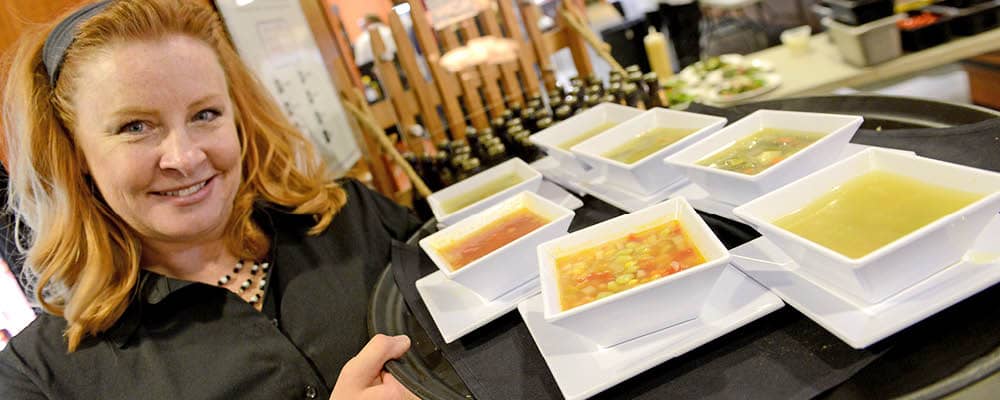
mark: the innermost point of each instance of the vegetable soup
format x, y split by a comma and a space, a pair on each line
495, 235
566, 145
481, 192
760, 151
647, 143
873, 210
624, 263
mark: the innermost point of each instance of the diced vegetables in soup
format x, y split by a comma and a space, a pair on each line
624, 263
493, 236
566, 145
647, 143
481, 192
873, 210
760, 151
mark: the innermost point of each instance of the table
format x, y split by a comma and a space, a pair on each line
822, 70
931, 359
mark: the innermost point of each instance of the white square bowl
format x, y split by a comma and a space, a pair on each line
899, 264
736, 188
550, 139
532, 180
509, 266
646, 308
648, 175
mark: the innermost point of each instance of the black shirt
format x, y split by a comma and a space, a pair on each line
185, 340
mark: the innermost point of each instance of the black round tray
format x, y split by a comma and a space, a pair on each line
425, 371
881, 112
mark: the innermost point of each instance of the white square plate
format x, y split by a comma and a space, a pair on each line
625, 199
456, 310
558, 195
581, 369
860, 324
550, 169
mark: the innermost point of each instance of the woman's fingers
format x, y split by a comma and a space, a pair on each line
390, 389
389, 380
362, 370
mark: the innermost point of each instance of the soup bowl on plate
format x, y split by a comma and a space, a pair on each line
877, 222
559, 138
493, 252
631, 275
764, 151
630, 155
483, 190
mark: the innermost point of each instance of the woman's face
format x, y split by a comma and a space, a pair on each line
155, 123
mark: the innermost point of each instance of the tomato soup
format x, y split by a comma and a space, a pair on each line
624, 263
485, 240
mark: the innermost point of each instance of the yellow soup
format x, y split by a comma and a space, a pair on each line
873, 210
647, 143
758, 152
481, 192
623, 263
586, 135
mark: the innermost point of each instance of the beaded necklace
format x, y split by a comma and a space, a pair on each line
255, 281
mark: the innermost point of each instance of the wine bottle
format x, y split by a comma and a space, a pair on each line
653, 92
564, 111
469, 167
542, 124
633, 97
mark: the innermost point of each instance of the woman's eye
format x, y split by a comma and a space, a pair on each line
133, 127
206, 115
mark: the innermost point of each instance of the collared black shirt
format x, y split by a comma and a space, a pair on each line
184, 340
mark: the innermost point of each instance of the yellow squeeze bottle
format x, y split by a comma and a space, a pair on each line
656, 52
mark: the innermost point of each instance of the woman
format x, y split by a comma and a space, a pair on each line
183, 238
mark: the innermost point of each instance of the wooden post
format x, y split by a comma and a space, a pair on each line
443, 80
408, 60
575, 42
487, 75
508, 72
527, 59
389, 77
530, 15
473, 102
343, 45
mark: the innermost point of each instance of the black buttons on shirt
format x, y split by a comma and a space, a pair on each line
310, 392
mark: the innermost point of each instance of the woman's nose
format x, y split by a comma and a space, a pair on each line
181, 153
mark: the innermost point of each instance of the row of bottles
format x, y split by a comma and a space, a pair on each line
505, 138
633, 88
508, 135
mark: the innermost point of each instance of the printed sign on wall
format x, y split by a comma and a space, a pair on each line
273, 38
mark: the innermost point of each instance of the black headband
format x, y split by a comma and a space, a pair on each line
62, 37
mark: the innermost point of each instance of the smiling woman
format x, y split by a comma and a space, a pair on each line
158, 182
157, 131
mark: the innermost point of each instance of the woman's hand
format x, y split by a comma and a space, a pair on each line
363, 376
